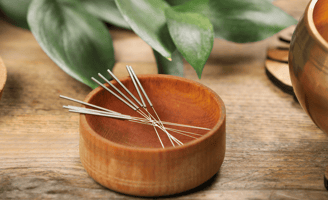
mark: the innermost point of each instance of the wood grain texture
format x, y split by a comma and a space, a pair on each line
273, 150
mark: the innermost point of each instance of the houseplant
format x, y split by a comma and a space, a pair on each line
73, 34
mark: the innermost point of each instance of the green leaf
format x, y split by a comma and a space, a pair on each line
76, 41
147, 20
174, 67
176, 2
239, 20
16, 11
192, 34
105, 10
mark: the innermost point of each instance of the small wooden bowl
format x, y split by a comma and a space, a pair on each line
3, 76
127, 157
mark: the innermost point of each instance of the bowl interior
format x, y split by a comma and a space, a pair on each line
320, 18
175, 100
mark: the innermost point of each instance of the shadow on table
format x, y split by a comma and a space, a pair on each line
205, 186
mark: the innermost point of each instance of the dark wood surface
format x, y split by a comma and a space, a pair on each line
273, 150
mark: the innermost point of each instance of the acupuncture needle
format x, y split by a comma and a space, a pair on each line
144, 105
121, 84
118, 115
128, 104
85, 103
131, 106
171, 123
111, 111
145, 94
117, 90
135, 107
76, 108
123, 95
135, 82
82, 110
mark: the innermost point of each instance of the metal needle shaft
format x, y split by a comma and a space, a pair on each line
121, 84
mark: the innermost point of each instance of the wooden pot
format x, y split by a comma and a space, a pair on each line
308, 63
127, 157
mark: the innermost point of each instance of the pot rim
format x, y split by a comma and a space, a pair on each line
312, 28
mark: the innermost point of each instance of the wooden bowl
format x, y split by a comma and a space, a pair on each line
127, 157
3, 76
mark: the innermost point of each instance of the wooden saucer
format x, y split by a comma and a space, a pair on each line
279, 55
286, 34
276, 64
326, 178
3, 76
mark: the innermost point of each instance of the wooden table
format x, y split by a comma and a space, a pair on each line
273, 151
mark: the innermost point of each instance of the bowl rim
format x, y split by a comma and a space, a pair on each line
312, 28
220, 122
3, 73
